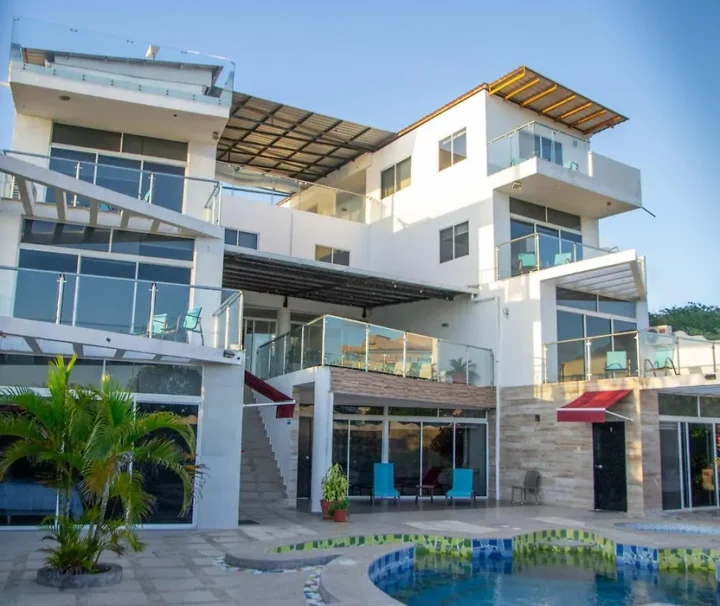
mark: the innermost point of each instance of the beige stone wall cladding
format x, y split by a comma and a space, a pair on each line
562, 452
348, 381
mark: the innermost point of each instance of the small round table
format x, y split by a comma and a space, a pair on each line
430, 490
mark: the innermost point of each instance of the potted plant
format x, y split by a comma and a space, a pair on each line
338, 510
461, 371
334, 488
96, 445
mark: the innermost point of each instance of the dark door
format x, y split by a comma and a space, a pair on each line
304, 469
609, 466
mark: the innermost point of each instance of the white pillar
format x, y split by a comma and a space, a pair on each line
207, 271
322, 435
283, 320
10, 238
219, 446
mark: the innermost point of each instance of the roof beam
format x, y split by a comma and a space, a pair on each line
517, 91
540, 95
27, 196
559, 103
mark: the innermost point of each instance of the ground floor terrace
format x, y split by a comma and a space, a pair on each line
189, 566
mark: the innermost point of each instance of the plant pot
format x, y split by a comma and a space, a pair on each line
108, 574
340, 515
458, 377
325, 506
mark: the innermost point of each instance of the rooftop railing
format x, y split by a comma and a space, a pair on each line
277, 190
152, 309
134, 65
154, 187
540, 251
642, 353
535, 140
334, 341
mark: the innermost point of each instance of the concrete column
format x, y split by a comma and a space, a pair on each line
220, 442
10, 226
283, 320
322, 435
201, 165
207, 271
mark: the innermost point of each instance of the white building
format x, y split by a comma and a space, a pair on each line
406, 290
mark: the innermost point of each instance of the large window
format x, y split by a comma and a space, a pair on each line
454, 242
328, 254
452, 149
245, 239
395, 178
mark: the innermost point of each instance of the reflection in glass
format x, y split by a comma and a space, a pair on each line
171, 300
404, 452
670, 466
385, 350
163, 484
340, 440
702, 464
365, 450
471, 453
419, 356
121, 175
344, 343
163, 185
437, 459
105, 303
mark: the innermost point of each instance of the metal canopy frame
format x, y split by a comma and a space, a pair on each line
544, 96
289, 277
291, 141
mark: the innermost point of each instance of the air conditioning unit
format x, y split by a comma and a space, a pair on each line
662, 330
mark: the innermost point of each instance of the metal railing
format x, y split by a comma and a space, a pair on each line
334, 341
98, 58
154, 187
152, 309
540, 251
643, 353
535, 140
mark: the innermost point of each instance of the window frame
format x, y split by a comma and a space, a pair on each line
333, 250
237, 238
456, 135
454, 241
395, 185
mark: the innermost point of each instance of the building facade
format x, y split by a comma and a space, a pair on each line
437, 298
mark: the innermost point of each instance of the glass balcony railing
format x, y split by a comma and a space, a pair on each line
642, 353
334, 341
154, 187
276, 190
96, 58
540, 251
157, 310
535, 140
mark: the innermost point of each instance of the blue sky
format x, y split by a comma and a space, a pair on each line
386, 63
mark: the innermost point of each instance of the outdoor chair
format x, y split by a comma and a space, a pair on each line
527, 262
616, 361
531, 485
462, 485
384, 482
663, 360
426, 371
190, 322
158, 328
571, 165
428, 483
562, 259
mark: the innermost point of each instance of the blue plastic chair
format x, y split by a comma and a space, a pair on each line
384, 482
527, 262
616, 361
462, 485
562, 258
190, 322
158, 328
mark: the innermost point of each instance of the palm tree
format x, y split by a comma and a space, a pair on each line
96, 444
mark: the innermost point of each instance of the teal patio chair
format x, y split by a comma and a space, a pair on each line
663, 360
562, 259
616, 361
462, 485
158, 328
190, 322
384, 483
527, 262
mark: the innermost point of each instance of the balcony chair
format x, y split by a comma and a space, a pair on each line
190, 322
426, 370
663, 360
531, 484
571, 165
157, 330
384, 483
562, 259
616, 361
527, 262
462, 486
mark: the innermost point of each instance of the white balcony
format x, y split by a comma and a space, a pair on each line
549, 167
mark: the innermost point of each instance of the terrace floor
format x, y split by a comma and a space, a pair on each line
182, 566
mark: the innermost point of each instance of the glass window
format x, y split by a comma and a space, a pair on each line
412, 411
75, 164
569, 326
247, 240
622, 326
153, 245
164, 485
387, 182
454, 242
445, 153
452, 149
163, 185
231, 236
107, 267
437, 459
55, 262
364, 450
402, 179
336, 256
616, 307
467, 413
557, 217
597, 327
119, 174
395, 178
462, 240
163, 273
404, 452
341, 257
459, 146
471, 453
174, 380
710, 407
36, 292
86, 137
578, 300
65, 234
670, 466
323, 253
105, 302
527, 209
520, 229
677, 405
359, 410
150, 146
446, 245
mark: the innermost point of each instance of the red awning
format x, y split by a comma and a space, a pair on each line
286, 405
592, 407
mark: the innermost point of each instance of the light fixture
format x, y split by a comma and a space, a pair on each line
517, 186
216, 136
444, 325
64, 98
228, 353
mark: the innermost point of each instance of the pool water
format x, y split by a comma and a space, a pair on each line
545, 579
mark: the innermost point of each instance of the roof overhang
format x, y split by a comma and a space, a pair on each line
256, 271
618, 275
549, 99
592, 407
291, 141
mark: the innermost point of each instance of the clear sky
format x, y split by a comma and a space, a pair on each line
387, 63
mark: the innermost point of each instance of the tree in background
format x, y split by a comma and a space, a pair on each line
693, 318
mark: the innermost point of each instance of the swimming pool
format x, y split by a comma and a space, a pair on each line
550, 579
672, 527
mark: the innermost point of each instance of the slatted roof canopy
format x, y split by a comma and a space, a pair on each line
531, 90
252, 270
295, 142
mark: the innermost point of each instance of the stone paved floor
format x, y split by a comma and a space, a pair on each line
179, 567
